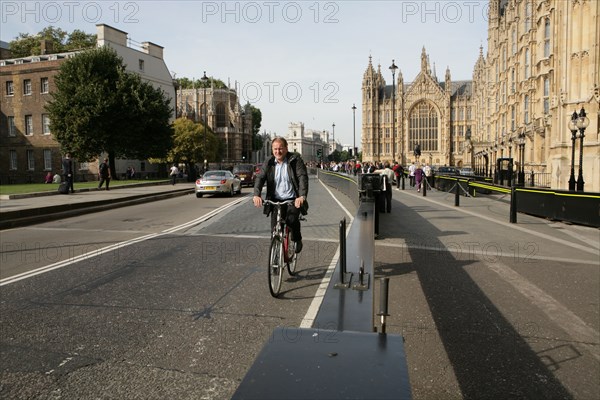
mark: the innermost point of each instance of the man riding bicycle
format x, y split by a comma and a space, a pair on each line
287, 179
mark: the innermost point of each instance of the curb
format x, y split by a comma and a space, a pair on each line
20, 218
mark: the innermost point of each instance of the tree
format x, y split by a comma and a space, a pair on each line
257, 140
188, 144
29, 45
100, 107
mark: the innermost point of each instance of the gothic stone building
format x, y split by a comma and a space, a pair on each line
434, 115
542, 64
221, 110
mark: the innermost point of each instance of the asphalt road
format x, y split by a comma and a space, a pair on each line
170, 299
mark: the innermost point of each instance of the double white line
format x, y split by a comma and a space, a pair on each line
107, 249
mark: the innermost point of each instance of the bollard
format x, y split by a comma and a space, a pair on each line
513, 205
402, 181
343, 283
383, 301
457, 195
425, 187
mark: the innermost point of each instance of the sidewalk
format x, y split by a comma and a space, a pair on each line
36, 208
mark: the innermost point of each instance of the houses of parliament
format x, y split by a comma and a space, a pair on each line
541, 71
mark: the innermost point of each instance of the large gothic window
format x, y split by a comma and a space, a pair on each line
221, 116
423, 127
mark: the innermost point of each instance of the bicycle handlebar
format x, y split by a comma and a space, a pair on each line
278, 203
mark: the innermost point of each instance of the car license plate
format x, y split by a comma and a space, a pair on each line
209, 188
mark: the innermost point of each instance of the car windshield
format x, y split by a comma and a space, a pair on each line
215, 175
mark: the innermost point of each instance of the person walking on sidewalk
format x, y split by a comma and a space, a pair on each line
67, 164
173, 174
385, 202
419, 174
104, 173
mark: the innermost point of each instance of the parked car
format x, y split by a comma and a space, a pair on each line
467, 171
446, 171
246, 173
218, 181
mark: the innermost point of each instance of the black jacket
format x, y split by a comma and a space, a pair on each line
296, 170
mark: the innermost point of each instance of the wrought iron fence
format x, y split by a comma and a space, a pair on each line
537, 179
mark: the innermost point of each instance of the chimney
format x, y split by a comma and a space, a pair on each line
46, 46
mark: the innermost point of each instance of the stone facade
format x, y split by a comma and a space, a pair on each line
28, 149
542, 64
435, 115
221, 110
307, 142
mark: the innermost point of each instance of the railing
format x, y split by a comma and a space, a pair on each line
538, 179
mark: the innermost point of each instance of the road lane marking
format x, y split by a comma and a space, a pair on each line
510, 225
570, 323
91, 254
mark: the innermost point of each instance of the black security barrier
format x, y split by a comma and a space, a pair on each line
359, 363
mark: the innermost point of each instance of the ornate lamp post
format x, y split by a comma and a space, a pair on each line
204, 115
354, 132
333, 133
573, 128
582, 123
393, 68
521, 173
510, 161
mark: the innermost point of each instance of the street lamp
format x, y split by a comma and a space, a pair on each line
204, 79
393, 68
354, 131
333, 132
582, 123
573, 128
521, 173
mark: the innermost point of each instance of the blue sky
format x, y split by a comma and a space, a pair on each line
298, 61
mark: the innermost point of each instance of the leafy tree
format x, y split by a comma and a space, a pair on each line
28, 45
257, 140
100, 107
188, 144
186, 83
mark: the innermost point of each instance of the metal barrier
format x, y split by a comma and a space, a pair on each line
341, 355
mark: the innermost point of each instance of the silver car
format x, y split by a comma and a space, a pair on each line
221, 181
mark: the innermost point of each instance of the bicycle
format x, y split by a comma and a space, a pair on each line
282, 251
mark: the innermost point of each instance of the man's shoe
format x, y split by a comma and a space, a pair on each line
298, 246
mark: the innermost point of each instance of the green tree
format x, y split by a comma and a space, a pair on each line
100, 107
26, 45
188, 144
257, 140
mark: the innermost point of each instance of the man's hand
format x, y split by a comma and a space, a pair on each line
299, 201
257, 200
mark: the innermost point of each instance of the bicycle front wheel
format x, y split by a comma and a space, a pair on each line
276, 265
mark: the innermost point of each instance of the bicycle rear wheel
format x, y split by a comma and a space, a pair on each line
290, 252
276, 264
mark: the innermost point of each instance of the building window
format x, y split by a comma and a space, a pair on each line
10, 88
12, 130
28, 125
30, 160
514, 41
526, 109
45, 124
221, 116
468, 113
27, 87
461, 114
527, 62
47, 160
44, 85
547, 37
512, 81
141, 64
423, 127
512, 118
527, 16
13, 160
546, 95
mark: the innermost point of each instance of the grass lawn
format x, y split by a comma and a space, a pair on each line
49, 187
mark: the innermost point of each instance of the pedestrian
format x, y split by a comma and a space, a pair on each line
104, 174
56, 178
48, 178
385, 197
419, 174
398, 172
411, 174
131, 173
287, 179
427, 171
174, 173
67, 164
